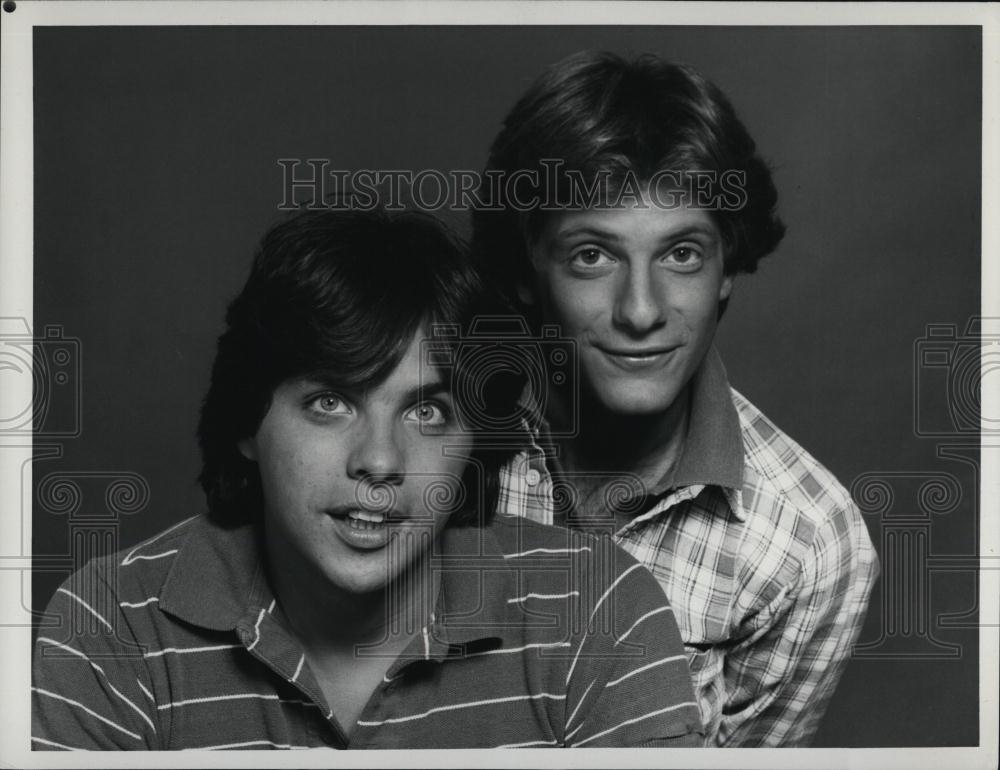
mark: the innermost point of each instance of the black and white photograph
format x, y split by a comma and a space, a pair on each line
410, 378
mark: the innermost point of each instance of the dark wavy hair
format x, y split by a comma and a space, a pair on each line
341, 291
598, 114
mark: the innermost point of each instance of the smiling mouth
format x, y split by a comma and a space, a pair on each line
632, 358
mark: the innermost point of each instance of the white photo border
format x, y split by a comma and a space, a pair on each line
16, 254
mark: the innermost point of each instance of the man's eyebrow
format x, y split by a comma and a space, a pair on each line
685, 231
430, 389
588, 230
325, 380
421, 390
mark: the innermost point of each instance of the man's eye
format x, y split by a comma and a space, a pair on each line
329, 403
428, 413
590, 257
684, 257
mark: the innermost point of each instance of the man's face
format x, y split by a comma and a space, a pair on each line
346, 475
638, 289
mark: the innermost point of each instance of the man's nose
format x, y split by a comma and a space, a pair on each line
639, 303
376, 454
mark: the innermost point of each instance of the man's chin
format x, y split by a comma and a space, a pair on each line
634, 403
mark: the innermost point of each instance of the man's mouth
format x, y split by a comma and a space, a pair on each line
365, 520
636, 358
362, 529
361, 519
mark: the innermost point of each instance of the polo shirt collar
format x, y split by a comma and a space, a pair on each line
473, 568
713, 447
218, 579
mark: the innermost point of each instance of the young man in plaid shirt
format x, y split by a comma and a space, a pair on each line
631, 196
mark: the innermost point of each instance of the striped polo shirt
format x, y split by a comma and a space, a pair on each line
539, 637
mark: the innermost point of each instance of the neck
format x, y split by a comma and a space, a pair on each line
648, 446
327, 619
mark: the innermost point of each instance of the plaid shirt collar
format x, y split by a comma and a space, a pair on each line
218, 581
712, 455
713, 447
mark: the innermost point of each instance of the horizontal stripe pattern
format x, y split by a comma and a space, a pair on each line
189, 650
143, 603
218, 698
649, 614
631, 721
146, 557
152, 680
248, 745
459, 707
66, 648
549, 551
53, 744
526, 597
623, 677
78, 704
86, 606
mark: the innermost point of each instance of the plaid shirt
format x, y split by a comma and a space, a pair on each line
761, 552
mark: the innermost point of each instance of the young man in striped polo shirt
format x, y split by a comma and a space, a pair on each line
349, 586
631, 195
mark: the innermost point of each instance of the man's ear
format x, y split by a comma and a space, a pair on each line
248, 448
726, 288
525, 294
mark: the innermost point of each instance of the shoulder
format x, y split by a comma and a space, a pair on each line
782, 479
776, 463
152, 559
795, 508
519, 537
593, 567
153, 555
110, 607
516, 535
134, 575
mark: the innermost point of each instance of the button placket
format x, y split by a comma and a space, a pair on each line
267, 641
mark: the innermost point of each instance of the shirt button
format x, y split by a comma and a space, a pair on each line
532, 477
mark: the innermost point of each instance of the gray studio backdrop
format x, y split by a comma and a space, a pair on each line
156, 171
